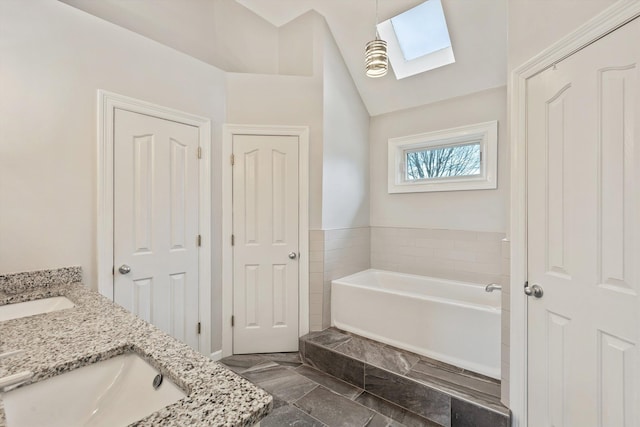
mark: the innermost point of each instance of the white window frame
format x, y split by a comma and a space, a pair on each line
485, 133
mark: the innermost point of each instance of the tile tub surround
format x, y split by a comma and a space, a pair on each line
13, 283
97, 329
463, 255
441, 393
333, 254
467, 256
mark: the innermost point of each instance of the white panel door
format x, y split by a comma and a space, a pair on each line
265, 252
583, 130
156, 222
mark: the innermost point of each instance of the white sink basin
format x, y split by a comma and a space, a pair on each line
31, 308
114, 392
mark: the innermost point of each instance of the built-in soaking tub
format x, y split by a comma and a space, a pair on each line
454, 322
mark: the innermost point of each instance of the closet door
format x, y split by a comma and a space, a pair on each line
156, 222
583, 128
265, 251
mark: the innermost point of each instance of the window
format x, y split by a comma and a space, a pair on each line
418, 39
463, 158
443, 162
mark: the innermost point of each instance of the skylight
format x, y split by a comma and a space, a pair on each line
418, 39
421, 30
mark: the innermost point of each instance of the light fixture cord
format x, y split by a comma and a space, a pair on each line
376, 26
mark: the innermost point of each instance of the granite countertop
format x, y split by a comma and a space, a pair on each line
97, 329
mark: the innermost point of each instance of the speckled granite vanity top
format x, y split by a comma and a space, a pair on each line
98, 329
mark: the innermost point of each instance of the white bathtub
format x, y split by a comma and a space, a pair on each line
454, 322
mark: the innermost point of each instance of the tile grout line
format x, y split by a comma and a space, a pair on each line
293, 405
374, 412
334, 378
399, 406
362, 391
294, 401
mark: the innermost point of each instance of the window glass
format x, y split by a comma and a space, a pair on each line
462, 158
443, 162
421, 30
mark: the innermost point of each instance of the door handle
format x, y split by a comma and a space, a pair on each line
535, 290
292, 255
124, 269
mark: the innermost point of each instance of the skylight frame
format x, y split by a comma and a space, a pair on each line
403, 68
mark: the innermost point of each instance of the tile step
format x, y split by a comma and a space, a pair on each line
444, 394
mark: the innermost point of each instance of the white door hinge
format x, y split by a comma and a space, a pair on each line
199, 241
233, 240
199, 152
233, 320
199, 328
233, 160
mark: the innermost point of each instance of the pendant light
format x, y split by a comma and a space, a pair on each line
375, 54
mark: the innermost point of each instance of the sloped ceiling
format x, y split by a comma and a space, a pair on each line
478, 30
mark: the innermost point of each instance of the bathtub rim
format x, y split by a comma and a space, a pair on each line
482, 307
343, 285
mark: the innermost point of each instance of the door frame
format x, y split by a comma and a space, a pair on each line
107, 103
602, 24
302, 132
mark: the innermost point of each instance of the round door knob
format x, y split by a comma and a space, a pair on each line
124, 269
292, 255
535, 290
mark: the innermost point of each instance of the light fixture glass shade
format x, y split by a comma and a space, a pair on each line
376, 59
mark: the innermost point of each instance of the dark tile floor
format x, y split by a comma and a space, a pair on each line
305, 396
348, 380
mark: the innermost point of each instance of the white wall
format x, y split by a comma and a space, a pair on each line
214, 31
482, 210
296, 46
243, 42
283, 100
345, 188
323, 97
54, 58
536, 24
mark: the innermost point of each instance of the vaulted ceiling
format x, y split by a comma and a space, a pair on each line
478, 30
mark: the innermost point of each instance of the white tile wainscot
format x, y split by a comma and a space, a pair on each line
333, 254
469, 256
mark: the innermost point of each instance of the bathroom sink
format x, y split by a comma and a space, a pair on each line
113, 392
31, 308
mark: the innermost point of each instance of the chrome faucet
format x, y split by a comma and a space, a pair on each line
492, 287
10, 353
12, 381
